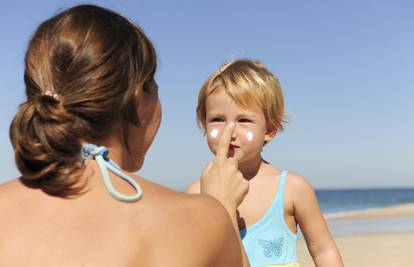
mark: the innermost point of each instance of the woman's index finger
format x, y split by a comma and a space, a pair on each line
224, 143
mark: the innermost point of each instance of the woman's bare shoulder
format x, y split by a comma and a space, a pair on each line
10, 183
180, 202
11, 187
15, 197
197, 224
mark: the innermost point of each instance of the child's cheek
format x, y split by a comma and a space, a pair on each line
246, 133
249, 136
214, 133
213, 137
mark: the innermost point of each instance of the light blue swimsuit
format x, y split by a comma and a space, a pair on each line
269, 242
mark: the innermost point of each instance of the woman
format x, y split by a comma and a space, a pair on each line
92, 111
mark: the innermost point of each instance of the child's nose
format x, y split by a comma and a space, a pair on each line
234, 134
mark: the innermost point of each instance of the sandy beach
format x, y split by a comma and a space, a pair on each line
372, 238
406, 210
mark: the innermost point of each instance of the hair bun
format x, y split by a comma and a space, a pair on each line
49, 108
46, 144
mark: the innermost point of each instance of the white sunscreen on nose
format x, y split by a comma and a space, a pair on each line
214, 133
249, 136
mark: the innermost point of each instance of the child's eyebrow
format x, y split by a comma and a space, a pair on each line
213, 113
247, 113
238, 115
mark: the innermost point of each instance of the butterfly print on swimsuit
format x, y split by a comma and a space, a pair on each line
273, 247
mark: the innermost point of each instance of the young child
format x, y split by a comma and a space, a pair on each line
245, 93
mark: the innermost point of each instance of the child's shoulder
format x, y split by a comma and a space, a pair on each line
194, 187
297, 184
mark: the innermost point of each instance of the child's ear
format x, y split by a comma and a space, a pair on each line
270, 133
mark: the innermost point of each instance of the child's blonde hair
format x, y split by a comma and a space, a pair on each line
251, 86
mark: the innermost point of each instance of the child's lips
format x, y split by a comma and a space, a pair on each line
231, 146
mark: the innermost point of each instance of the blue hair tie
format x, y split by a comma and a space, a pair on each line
100, 154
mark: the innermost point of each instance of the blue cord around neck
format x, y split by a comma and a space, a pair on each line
100, 154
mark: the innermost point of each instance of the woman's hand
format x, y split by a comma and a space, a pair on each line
221, 179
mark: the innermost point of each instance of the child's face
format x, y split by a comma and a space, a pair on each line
250, 131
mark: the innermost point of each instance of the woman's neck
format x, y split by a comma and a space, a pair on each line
118, 151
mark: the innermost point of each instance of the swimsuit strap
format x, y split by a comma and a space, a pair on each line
100, 154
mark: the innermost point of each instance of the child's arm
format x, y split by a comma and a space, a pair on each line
308, 215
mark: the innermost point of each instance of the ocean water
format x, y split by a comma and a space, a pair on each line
339, 201
334, 201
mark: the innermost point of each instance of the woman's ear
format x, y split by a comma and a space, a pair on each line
270, 133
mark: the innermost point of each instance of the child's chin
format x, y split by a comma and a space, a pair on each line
237, 157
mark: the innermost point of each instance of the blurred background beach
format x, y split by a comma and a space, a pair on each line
372, 227
347, 72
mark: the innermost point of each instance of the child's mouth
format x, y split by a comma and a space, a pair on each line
233, 146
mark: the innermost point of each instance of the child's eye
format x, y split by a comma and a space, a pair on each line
216, 120
245, 120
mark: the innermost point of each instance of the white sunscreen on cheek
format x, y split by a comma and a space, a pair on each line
214, 133
249, 136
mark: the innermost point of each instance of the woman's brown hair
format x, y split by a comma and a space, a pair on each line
82, 71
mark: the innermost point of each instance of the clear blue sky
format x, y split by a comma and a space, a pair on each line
346, 68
